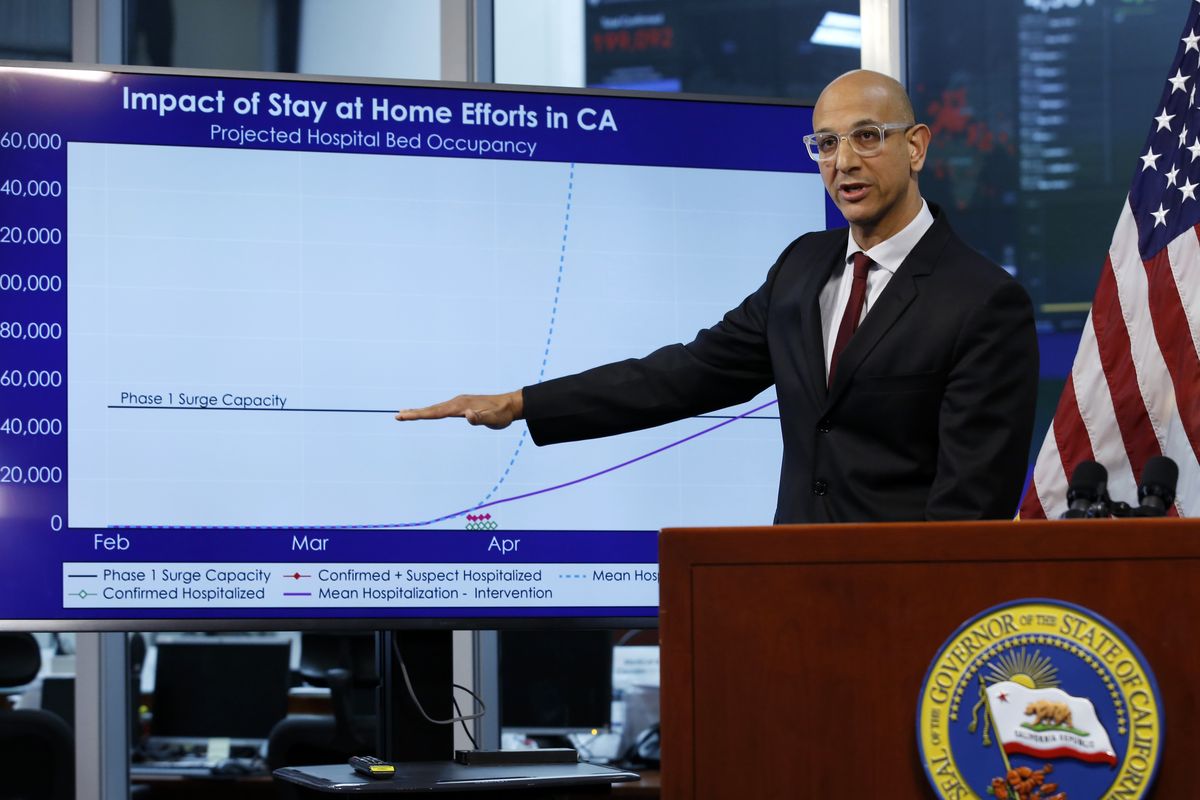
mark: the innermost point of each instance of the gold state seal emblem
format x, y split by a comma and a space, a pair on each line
1039, 700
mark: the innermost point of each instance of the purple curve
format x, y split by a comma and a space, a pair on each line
604, 471
443, 518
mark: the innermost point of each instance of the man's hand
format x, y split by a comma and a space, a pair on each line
493, 410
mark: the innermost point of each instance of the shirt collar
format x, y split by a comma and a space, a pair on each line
891, 252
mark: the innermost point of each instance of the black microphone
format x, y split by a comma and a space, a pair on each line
1156, 492
1087, 493
1120, 508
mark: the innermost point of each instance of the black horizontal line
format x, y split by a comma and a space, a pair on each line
364, 411
234, 408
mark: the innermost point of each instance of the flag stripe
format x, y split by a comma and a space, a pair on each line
1185, 262
1046, 496
1187, 499
1032, 507
1112, 339
1133, 294
1154, 380
1174, 342
1070, 433
1059, 752
1097, 412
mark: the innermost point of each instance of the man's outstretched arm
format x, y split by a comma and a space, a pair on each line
493, 410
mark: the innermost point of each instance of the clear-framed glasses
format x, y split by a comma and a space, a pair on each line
866, 140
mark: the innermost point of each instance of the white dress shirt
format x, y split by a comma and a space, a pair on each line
886, 257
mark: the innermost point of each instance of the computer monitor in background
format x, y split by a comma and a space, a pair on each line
322, 652
227, 687
555, 683
58, 696
635, 685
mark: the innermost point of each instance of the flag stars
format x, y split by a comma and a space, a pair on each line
1151, 157
1179, 82
1172, 176
1164, 120
1183, 136
1192, 40
1188, 189
1194, 148
1160, 216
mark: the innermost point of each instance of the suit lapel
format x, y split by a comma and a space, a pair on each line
896, 297
812, 328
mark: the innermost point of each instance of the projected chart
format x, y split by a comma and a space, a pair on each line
242, 323
218, 290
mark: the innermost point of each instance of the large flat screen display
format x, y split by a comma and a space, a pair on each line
217, 289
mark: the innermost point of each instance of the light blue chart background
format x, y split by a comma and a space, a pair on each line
357, 283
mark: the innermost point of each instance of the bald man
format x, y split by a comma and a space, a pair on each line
905, 363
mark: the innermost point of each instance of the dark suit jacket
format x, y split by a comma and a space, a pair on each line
931, 409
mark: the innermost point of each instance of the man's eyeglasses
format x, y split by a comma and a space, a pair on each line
866, 140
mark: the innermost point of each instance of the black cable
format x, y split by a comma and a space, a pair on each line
458, 711
627, 637
584, 746
413, 695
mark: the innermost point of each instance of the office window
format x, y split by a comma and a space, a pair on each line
378, 38
218, 34
38, 30
538, 42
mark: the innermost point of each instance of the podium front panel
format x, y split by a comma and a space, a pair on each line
793, 656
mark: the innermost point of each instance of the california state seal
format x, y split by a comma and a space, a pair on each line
1039, 699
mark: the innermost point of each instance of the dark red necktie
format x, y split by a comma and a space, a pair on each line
854, 307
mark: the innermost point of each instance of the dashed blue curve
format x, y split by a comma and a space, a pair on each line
562, 259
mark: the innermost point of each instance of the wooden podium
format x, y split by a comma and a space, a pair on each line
793, 656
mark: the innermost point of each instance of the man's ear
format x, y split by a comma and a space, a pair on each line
918, 145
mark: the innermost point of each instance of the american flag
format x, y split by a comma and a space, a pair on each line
1134, 389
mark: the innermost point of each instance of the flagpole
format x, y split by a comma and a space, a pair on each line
999, 741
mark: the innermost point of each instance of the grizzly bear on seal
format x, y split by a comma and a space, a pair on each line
1047, 711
